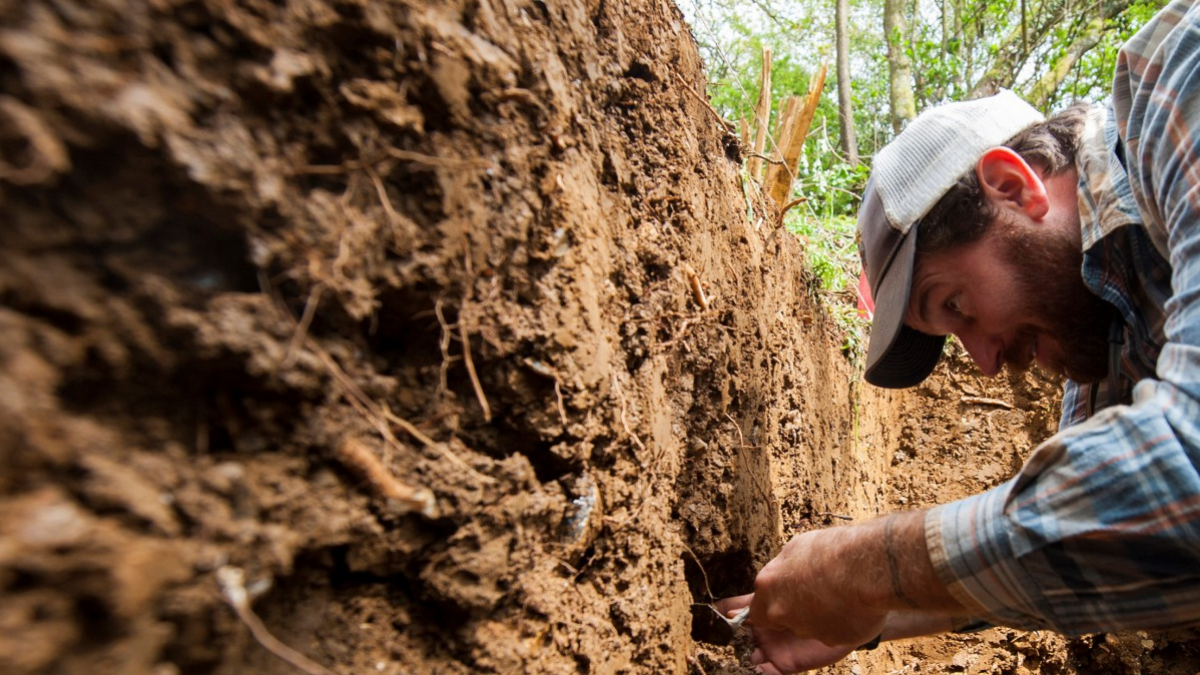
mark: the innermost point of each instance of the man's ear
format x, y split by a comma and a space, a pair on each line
1007, 180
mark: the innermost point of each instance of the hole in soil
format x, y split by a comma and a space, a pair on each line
425, 95
200, 253
422, 198
723, 574
168, 226
498, 442
406, 331
97, 618
548, 466
641, 71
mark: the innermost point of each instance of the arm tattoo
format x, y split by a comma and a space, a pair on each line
894, 563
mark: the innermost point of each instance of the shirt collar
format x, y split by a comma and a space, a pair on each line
1106, 201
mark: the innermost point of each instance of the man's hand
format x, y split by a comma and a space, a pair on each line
820, 586
835, 589
778, 652
837, 585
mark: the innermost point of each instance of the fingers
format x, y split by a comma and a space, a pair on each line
768, 669
761, 665
779, 652
763, 606
733, 605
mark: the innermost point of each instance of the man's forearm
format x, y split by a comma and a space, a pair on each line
897, 545
839, 585
911, 624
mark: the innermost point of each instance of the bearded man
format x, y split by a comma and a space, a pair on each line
1073, 242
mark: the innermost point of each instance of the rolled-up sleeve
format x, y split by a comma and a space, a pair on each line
1099, 531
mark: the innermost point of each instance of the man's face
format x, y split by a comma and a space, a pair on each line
1013, 297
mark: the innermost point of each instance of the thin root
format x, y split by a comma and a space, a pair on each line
624, 419
707, 588
697, 289
725, 124
444, 346
301, 332
233, 587
400, 498
446, 162
655, 461
742, 444
428, 442
384, 199
562, 411
835, 515
979, 400
466, 346
768, 160
378, 414
787, 207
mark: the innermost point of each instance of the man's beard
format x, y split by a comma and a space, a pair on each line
1048, 277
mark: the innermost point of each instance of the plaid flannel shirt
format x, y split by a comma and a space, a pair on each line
1100, 530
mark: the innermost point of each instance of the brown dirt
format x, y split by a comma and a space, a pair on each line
275, 277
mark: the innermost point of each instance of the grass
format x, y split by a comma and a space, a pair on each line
831, 255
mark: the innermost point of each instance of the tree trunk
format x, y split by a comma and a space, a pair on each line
847, 140
961, 47
900, 90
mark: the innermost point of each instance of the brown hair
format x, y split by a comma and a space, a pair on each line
962, 215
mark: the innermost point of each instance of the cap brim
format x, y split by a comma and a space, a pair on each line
898, 356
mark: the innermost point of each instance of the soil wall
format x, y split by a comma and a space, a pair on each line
443, 332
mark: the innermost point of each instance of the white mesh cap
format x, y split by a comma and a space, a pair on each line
940, 145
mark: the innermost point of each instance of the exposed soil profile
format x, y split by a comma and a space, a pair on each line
447, 334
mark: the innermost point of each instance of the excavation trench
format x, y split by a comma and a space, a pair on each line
365, 336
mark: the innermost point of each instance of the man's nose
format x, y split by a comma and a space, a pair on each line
984, 350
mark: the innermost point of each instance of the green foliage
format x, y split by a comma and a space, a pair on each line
1091, 78
830, 250
831, 255
956, 45
831, 186
953, 46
